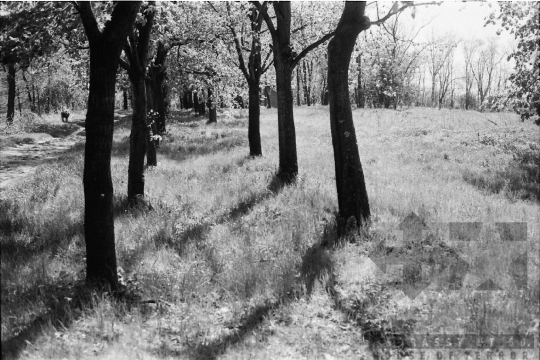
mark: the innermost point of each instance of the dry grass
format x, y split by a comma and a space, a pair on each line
235, 256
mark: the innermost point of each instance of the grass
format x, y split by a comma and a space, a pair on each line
235, 258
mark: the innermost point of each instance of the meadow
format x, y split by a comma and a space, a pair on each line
239, 266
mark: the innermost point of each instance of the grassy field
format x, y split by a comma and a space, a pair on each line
234, 259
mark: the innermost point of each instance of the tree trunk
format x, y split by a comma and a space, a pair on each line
160, 86
196, 103
137, 139
254, 135
105, 52
11, 92
125, 99
305, 82
212, 111
351, 188
283, 63
298, 86
98, 189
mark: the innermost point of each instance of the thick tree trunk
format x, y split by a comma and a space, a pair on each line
98, 189
283, 63
351, 188
11, 92
105, 49
254, 135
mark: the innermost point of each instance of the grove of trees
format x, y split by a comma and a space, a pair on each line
208, 55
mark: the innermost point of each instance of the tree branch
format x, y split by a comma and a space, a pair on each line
89, 22
392, 13
311, 47
262, 8
122, 18
242, 65
124, 65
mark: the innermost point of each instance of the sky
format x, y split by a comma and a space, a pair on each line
464, 19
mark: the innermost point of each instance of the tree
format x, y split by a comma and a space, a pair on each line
352, 195
483, 70
439, 51
285, 60
105, 48
469, 49
255, 66
28, 31
136, 64
522, 19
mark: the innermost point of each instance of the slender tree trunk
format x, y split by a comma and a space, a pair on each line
351, 187
151, 145
125, 99
212, 111
11, 91
161, 86
137, 139
305, 82
254, 135
298, 86
196, 103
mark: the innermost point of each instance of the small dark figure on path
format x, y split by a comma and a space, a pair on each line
65, 115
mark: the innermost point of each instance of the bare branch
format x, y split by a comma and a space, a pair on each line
392, 13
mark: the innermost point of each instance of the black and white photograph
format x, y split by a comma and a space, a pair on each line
270, 180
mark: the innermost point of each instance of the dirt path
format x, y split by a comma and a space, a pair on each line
30, 151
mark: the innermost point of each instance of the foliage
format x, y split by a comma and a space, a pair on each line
523, 20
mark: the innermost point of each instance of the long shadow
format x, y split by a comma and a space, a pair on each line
197, 233
65, 303
317, 264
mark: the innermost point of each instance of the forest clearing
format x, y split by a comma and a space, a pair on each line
243, 267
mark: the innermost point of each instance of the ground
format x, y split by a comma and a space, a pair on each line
233, 260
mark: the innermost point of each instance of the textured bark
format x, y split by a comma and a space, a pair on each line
351, 188
160, 86
11, 92
137, 140
254, 135
283, 63
105, 49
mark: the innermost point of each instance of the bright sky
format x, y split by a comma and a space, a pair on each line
464, 19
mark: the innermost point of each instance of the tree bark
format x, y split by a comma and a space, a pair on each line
196, 103
254, 135
125, 99
105, 49
212, 111
351, 188
137, 140
298, 103
283, 63
11, 92
160, 86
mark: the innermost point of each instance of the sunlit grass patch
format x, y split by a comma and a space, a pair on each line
239, 264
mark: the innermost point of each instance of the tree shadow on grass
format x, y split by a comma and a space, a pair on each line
64, 303
197, 233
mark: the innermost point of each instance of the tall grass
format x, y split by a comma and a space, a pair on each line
228, 251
